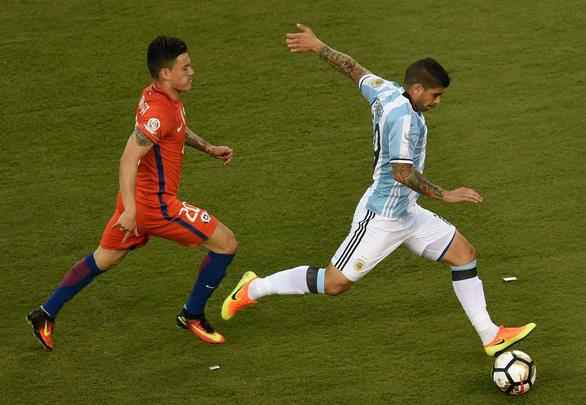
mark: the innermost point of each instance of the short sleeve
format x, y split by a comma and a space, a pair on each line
371, 86
152, 122
401, 143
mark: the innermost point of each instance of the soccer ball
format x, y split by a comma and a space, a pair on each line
514, 372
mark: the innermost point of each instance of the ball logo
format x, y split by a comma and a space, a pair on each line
205, 217
153, 125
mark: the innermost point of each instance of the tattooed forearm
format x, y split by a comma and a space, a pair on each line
344, 63
141, 140
426, 187
196, 141
407, 175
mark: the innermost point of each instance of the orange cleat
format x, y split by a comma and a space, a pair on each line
506, 337
43, 326
238, 298
200, 327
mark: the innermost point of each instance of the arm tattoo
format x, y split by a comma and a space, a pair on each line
407, 175
140, 138
196, 141
344, 63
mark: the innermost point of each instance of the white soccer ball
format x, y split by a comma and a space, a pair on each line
514, 372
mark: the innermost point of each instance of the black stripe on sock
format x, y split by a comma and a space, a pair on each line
311, 278
459, 275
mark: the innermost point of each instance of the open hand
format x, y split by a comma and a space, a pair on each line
462, 194
304, 40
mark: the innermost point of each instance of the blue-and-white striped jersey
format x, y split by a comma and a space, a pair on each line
400, 136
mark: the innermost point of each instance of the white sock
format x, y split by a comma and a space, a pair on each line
471, 296
287, 282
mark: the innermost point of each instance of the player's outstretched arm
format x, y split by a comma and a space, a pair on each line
218, 151
306, 41
406, 174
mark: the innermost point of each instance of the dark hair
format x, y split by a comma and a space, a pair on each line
427, 72
162, 53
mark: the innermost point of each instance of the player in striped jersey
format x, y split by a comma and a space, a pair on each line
388, 215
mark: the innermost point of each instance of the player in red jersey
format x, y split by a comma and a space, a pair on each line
147, 204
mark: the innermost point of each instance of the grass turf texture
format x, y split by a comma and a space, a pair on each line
511, 126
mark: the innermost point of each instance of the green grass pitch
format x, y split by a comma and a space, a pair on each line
511, 125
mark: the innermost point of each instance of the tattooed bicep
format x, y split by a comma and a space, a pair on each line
140, 139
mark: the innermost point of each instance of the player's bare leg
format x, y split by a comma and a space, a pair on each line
336, 283
461, 256
460, 251
222, 241
222, 246
81, 274
108, 258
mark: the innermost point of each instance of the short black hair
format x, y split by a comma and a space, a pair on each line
162, 53
428, 72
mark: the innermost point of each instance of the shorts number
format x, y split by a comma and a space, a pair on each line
192, 212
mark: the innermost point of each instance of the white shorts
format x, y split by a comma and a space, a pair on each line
373, 237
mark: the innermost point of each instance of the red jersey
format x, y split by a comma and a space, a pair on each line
158, 210
162, 120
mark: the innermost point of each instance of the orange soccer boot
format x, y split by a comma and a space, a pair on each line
506, 337
238, 298
43, 326
200, 327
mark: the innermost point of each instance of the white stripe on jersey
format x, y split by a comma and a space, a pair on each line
406, 136
394, 196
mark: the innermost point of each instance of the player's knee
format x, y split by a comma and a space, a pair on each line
470, 253
234, 244
227, 244
337, 288
336, 283
231, 244
461, 252
106, 264
107, 259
